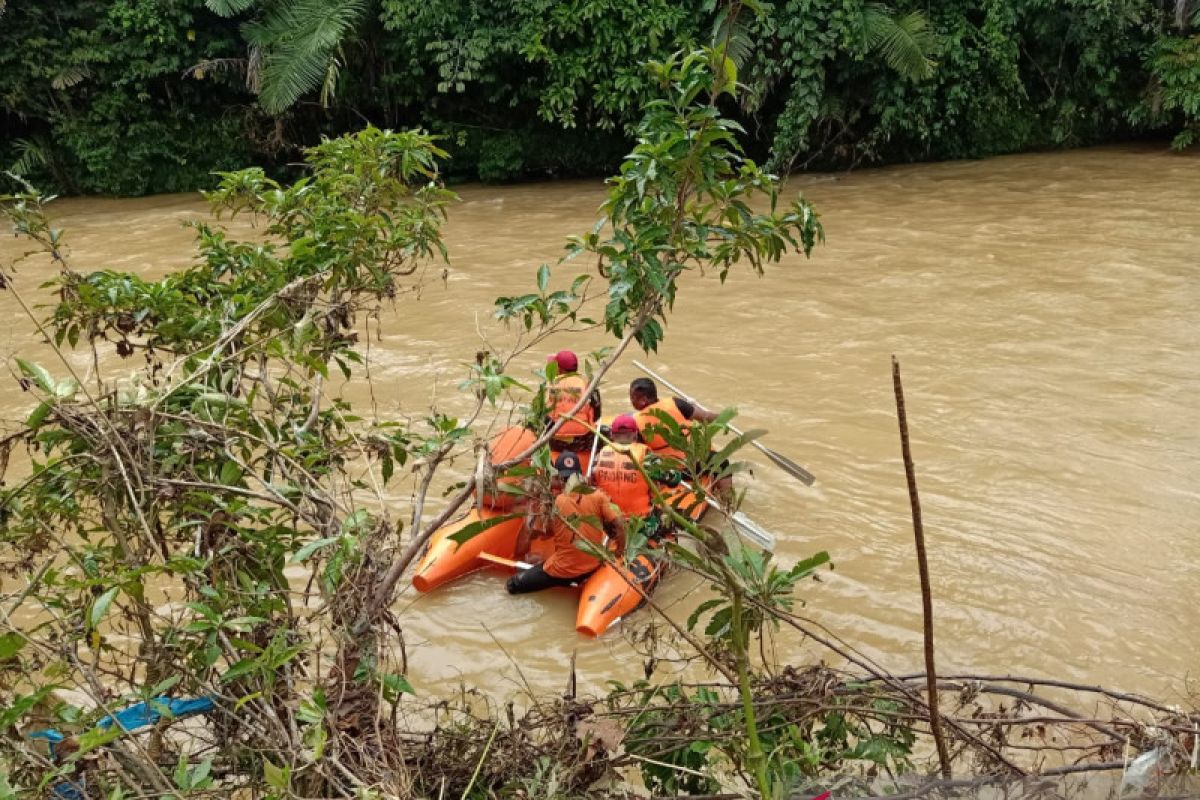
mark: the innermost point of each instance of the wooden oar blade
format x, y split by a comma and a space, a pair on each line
752, 532
504, 562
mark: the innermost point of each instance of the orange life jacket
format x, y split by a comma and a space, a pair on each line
646, 419
502, 447
575, 517
562, 396
614, 473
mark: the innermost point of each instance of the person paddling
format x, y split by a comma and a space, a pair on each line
562, 395
579, 513
643, 396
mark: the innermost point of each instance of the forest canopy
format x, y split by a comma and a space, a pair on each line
140, 96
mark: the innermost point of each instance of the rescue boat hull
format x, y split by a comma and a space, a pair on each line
446, 559
608, 594
614, 591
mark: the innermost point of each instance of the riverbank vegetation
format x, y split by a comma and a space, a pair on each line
218, 527
141, 96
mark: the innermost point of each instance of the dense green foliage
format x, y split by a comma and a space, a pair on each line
225, 459
1175, 64
93, 94
136, 96
220, 461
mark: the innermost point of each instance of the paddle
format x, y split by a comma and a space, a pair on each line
747, 528
505, 562
778, 459
592, 457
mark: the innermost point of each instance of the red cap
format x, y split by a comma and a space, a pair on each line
567, 361
624, 424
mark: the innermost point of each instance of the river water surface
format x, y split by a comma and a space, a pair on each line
1045, 312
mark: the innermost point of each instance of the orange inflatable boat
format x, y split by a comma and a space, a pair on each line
607, 595
614, 590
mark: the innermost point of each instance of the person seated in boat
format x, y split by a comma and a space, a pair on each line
504, 492
562, 395
643, 396
579, 513
615, 472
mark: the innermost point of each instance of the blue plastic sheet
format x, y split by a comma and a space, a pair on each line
129, 719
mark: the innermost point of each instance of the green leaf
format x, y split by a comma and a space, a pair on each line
162, 686
304, 552
21, 704
7, 792
231, 473
180, 776
240, 668
543, 277
227, 8
395, 685
39, 415
809, 564
247, 699
315, 737
66, 388
98, 737
100, 607
277, 778
10, 645
731, 76
468, 532
243, 623
700, 609
199, 777
204, 611
38, 374
720, 624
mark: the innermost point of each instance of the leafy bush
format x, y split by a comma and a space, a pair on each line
100, 88
1175, 64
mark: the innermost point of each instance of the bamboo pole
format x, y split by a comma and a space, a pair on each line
935, 722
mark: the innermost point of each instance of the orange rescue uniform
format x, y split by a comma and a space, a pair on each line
502, 447
563, 395
615, 473
645, 419
576, 516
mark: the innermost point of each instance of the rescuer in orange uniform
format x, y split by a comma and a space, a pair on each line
579, 513
615, 473
562, 395
643, 396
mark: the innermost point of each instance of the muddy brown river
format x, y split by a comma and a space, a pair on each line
1045, 312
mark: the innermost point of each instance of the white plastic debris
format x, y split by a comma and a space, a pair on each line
1147, 768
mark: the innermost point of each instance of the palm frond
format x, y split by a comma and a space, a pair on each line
329, 85
1186, 137
254, 64
904, 40
69, 77
216, 65
297, 42
732, 32
228, 8
32, 154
